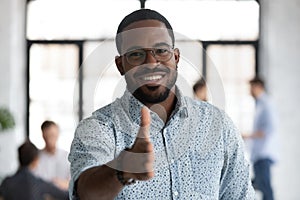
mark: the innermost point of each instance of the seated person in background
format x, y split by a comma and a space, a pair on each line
24, 184
200, 90
53, 165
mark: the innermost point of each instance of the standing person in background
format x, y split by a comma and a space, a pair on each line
264, 138
53, 165
24, 185
200, 90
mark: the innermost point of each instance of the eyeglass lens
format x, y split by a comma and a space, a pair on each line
138, 56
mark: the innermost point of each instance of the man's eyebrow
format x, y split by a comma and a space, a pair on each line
133, 48
161, 44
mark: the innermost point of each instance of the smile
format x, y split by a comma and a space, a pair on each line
152, 78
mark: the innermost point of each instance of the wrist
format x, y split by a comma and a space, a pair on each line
124, 178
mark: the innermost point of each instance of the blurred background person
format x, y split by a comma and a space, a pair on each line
53, 165
24, 184
264, 144
200, 90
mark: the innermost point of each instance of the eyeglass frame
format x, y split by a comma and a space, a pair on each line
152, 50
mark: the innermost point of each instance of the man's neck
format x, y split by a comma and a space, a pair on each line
259, 94
164, 109
50, 150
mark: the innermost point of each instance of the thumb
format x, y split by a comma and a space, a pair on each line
145, 117
145, 123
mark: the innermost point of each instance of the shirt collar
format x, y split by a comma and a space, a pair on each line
260, 98
181, 105
133, 106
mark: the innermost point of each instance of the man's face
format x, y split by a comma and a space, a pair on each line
148, 60
201, 94
255, 90
50, 136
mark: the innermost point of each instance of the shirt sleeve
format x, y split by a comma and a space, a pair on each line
235, 179
93, 145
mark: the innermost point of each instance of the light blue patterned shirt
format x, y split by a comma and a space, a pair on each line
198, 152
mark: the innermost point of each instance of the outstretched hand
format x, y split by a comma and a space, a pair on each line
139, 160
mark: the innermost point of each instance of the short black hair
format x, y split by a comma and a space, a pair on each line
139, 15
46, 124
257, 81
27, 152
199, 84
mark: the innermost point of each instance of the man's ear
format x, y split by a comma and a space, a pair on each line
119, 64
176, 55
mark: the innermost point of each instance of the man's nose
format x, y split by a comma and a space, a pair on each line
150, 57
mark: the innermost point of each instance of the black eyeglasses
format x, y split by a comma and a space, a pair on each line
138, 56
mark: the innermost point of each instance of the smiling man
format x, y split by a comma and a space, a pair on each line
153, 142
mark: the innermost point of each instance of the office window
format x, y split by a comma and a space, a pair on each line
80, 19
232, 66
211, 20
102, 82
53, 72
65, 36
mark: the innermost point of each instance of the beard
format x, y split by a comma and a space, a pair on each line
144, 97
152, 94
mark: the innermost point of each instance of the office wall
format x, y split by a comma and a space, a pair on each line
280, 64
12, 79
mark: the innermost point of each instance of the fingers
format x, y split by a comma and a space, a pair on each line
132, 162
145, 176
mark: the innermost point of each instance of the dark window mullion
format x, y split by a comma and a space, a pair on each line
80, 59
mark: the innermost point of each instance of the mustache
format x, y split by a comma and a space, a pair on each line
147, 70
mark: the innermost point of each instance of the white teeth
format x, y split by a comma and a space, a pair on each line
151, 78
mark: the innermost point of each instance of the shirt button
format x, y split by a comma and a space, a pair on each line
172, 161
175, 193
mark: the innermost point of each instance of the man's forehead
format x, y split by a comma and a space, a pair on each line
146, 37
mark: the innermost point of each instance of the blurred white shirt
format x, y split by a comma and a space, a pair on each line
53, 166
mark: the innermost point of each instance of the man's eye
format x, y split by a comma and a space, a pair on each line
161, 51
135, 54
